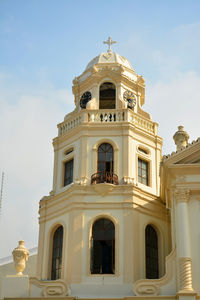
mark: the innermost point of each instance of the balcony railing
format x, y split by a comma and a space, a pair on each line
111, 116
104, 177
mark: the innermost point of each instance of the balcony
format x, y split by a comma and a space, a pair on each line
105, 116
104, 177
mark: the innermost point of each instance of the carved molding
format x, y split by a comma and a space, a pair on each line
182, 194
185, 265
147, 289
114, 72
151, 287
128, 180
52, 288
103, 189
82, 181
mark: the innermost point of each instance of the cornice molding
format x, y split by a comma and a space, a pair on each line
174, 157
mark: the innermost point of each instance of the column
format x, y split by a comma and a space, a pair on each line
83, 159
95, 95
183, 237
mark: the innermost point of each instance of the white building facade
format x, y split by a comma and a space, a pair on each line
120, 221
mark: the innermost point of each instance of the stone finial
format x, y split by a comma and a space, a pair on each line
20, 256
181, 138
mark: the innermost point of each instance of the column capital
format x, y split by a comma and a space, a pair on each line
182, 194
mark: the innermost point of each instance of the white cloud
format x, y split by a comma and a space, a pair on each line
175, 102
28, 122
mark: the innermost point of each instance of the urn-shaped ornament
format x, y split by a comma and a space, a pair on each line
20, 256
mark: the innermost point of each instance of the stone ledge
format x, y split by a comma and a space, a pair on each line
108, 298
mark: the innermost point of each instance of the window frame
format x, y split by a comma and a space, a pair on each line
113, 240
115, 221
149, 172
116, 158
161, 246
146, 169
52, 251
158, 251
65, 158
113, 158
64, 171
143, 150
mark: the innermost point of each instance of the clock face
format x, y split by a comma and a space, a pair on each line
85, 98
130, 98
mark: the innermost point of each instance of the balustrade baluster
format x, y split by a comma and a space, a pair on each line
107, 117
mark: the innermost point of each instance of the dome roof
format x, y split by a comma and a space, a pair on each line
109, 58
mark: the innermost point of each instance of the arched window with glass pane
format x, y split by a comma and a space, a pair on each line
151, 251
57, 254
105, 166
105, 158
103, 247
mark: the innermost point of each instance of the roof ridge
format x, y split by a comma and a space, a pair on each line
166, 157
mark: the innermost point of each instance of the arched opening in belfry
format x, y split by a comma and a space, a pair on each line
107, 95
57, 253
103, 247
151, 252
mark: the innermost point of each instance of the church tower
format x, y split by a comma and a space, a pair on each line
104, 223
121, 221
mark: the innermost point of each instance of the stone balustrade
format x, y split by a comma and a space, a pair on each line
107, 116
69, 124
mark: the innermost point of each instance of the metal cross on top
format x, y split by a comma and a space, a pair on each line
109, 42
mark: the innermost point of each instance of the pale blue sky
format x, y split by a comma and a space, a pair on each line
56, 39
44, 44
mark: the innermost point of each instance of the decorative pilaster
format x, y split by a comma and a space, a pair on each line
182, 196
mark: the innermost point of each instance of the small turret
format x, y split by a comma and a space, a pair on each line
181, 138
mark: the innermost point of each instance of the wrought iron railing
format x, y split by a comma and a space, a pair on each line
104, 177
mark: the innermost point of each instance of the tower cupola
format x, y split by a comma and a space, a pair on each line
109, 82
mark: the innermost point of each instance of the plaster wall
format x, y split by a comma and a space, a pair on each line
126, 154
129, 242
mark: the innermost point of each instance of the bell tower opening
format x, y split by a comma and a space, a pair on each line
107, 95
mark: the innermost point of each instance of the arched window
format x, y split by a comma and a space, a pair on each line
151, 245
103, 247
105, 166
57, 253
107, 95
105, 158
